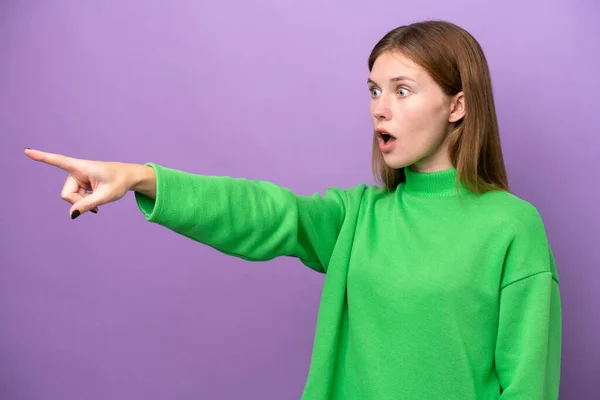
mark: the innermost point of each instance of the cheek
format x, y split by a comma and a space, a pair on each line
421, 119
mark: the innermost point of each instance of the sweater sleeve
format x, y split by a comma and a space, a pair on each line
528, 350
250, 219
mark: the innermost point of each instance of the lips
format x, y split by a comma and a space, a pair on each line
387, 141
384, 135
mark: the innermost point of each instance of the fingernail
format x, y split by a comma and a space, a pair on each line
75, 214
94, 211
27, 148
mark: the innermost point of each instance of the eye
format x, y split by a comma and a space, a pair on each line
374, 92
403, 92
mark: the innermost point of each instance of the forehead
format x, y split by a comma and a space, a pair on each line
391, 64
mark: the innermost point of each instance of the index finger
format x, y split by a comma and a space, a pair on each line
58, 160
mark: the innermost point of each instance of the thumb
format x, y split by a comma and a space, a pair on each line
87, 203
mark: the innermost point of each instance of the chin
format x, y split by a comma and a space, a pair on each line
396, 162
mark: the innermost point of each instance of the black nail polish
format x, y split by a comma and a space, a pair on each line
75, 214
94, 211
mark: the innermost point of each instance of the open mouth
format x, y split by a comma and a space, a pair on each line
387, 142
385, 136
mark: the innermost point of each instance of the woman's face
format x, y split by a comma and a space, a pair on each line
418, 116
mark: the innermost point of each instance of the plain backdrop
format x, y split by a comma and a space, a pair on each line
111, 307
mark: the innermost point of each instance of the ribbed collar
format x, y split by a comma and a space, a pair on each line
431, 184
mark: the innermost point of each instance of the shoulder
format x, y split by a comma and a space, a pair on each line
528, 251
509, 209
362, 197
359, 193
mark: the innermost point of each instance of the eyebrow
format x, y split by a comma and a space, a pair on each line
395, 79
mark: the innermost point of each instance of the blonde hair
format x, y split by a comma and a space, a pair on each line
456, 62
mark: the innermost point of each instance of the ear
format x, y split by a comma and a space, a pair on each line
457, 107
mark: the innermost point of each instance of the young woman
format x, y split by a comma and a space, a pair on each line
440, 284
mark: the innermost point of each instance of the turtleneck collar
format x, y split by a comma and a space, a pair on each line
431, 184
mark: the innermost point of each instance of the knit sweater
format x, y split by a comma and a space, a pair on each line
431, 291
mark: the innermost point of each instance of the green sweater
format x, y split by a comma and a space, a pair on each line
427, 295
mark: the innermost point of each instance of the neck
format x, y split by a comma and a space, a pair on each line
439, 183
431, 167
439, 160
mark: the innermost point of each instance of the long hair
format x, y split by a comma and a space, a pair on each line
456, 62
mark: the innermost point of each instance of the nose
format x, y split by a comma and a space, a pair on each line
381, 108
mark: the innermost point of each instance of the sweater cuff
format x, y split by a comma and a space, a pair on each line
152, 208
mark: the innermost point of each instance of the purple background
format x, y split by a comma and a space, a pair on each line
111, 307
